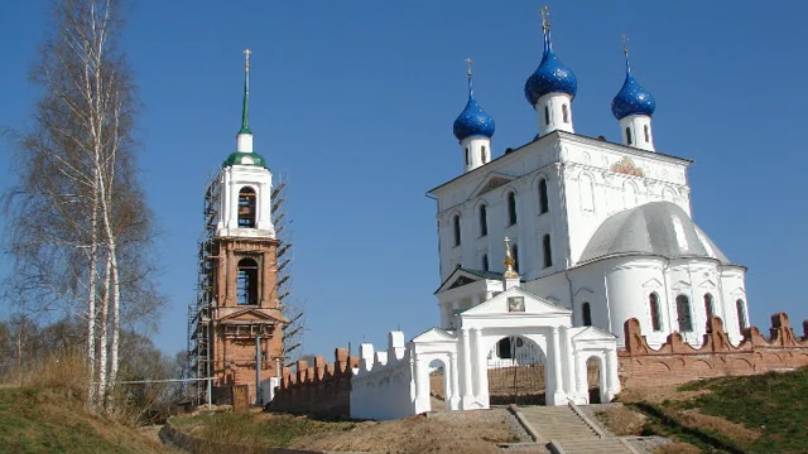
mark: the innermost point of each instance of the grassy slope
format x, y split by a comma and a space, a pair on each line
756, 414
36, 420
776, 404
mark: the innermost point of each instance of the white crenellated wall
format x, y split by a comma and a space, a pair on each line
383, 387
476, 151
550, 114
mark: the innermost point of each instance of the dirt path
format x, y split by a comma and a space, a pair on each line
473, 432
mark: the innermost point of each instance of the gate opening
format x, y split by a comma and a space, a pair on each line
516, 372
438, 386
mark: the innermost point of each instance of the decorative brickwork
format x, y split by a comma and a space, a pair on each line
322, 390
677, 362
235, 326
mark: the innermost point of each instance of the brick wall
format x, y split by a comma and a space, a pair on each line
678, 362
321, 390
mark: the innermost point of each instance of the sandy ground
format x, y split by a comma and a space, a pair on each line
475, 431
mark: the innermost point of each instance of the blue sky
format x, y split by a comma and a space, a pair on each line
353, 102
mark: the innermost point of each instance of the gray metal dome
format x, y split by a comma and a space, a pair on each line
656, 228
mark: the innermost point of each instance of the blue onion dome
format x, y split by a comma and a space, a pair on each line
551, 76
632, 99
473, 121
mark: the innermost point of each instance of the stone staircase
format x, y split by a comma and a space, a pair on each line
565, 430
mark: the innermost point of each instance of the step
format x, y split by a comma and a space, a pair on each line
597, 445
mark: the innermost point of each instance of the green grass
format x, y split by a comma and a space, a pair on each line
765, 413
254, 430
774, 403
52, 421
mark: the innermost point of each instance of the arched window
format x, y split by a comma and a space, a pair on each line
246, 207
628, 136
741, 308
656, 321
683, 314
485, 262
647, 133
586, 314
546, 115
482, 154
709, 309
456, 228
467, 155
565, 113
544, 205
587, 193
548, 252
515, 254
511, 208
483, 220
247, 282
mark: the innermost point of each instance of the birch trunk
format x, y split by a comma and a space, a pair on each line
91, 311
103, 345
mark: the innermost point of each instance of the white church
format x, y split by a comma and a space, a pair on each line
594, 233
602, 229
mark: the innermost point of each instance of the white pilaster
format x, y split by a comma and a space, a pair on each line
555, 394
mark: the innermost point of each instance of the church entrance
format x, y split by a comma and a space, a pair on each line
516, 372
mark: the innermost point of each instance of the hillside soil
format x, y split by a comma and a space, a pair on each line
467, 432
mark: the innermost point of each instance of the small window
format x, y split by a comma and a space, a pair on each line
456, 228
467, 156
483, 220
246, 207
628, 136
709, 309
546, 116
482, 154
511, 208
544, 205
647, 133
586, 314
742, 320
565, 113
656, 321
485, 262
247, 282
683, 314
548, 253
515, 254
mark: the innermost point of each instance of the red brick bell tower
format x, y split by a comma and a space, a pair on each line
238, 326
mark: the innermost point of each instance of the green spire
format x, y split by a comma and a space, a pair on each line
245, 107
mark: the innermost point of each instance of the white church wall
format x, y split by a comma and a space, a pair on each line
733, 289
463, 197
598, 182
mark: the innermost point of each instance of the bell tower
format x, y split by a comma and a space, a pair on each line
240, 322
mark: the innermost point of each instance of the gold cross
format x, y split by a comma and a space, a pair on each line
625, 44
247, 53
545, 18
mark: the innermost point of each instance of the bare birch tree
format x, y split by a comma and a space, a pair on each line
78, 207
